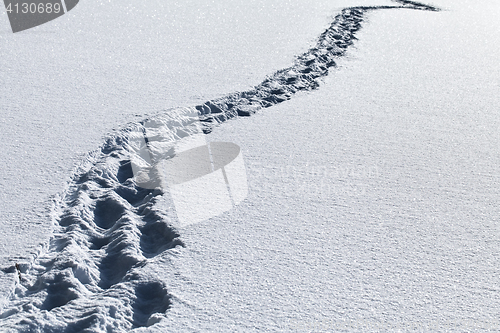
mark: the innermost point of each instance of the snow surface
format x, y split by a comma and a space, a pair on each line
372, 205
67, 83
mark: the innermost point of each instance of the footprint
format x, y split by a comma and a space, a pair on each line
151, 297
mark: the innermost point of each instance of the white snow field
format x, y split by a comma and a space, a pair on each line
67, 83
372, 199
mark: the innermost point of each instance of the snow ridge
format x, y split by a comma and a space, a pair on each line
91, 274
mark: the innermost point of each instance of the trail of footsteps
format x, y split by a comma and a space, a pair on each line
310, 66
91, 277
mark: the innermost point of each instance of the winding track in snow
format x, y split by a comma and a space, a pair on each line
90, 274
303, 75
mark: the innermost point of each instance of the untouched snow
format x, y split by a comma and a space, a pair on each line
372, 204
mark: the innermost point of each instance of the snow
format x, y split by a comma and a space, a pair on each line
372, 202
67, 83
378, 213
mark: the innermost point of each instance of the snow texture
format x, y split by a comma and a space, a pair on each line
304, 75
90, 276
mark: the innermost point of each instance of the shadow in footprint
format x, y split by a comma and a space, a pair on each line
107, 212
99, 242
59, 292
151, 297
157, 237
133, 195
125, 171
118, 261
